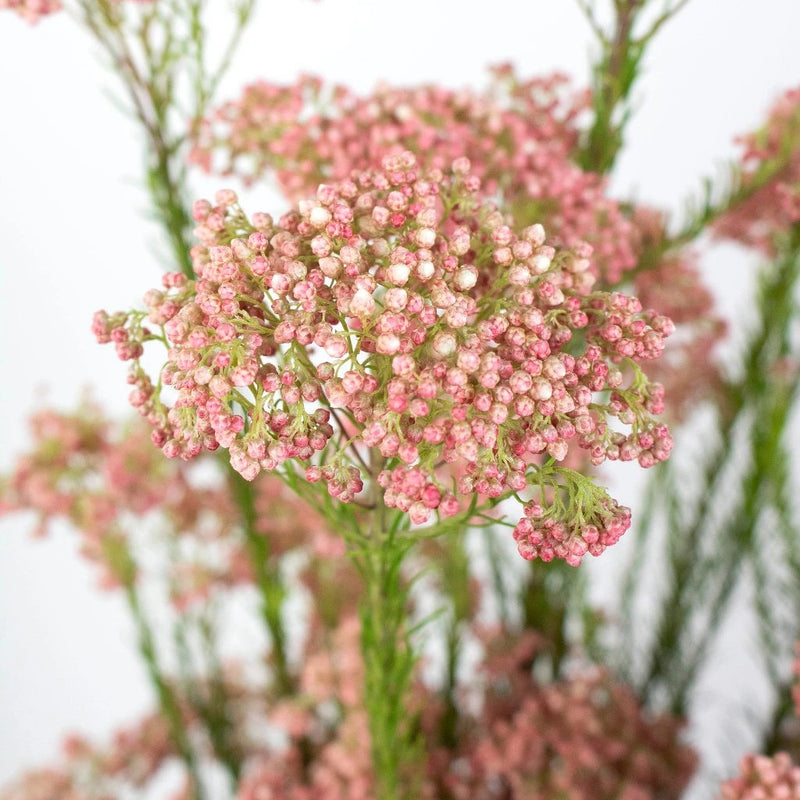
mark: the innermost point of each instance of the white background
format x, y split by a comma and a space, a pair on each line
73, 238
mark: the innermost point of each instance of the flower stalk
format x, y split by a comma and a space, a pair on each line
386, 647
167, 699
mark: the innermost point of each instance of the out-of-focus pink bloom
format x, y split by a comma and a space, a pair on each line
32, 10
763, 778
771, 166
519, 136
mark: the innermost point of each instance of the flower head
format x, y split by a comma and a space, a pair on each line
771, 176
397, 319
518, 136
763, 778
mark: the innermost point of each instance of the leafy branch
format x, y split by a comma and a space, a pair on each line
711, 541
149, 50
615, 73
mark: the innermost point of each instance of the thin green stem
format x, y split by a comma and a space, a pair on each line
217, 716
708, 546
167, 700
615, 74
268, 582
453, 565
550, 595
213, 712
388, 654
717, 197
151, 82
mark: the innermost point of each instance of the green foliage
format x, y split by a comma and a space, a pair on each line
158, 52
615, 73
729, 517
167, 698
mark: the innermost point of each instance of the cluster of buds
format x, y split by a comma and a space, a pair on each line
133, 759
520, 137
771, 173
399, 324
578, 518
763, 778
104, 479
584, 738
341, 770
75, 470
31, 10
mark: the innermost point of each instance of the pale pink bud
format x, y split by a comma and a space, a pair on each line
398, 274
465, 278
396, 299
336, 346
425, 270
444, 344
362, 304
540, 264
319, 216
541, 389
534, 234
387, 344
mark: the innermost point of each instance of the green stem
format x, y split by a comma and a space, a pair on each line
716, 199
150, 83
168, 190
454, 565
547, 600
611, 88
499, 582
210, 703
167, 701
775, 737
213, 710
615, 74
387, 651
217, 717
448, 729
268, 582
706, 550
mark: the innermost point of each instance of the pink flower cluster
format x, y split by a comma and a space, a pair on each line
59, 478
341, 770
768, 777
771, 166
586, 737
518, 135
583, 738
569, 530
104, 479
764, 778
401, 310
32, 10
134, 757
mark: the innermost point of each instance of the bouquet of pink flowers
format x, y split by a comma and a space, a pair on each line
378, 420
